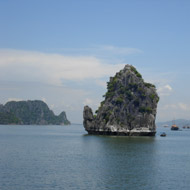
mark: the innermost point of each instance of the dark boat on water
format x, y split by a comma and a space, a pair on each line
163, 134
174, 127
186, 127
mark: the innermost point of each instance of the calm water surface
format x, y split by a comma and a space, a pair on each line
65, 157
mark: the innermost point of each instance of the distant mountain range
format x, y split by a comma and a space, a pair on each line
178, 122
29, 112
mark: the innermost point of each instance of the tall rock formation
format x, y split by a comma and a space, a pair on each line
129, 107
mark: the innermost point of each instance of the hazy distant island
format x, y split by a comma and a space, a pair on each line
129, 107
29, 112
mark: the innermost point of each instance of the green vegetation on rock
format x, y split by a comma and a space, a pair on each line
152, 96
149, 85
133, 86
8, 118
145, 110
136, 72
30, 112
119, 100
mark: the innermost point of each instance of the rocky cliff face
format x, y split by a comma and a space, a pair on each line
129, 107
30, 113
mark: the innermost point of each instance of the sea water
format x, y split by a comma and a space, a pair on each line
65, 157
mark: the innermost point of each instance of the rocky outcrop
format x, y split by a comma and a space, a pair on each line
129, 107
29, 112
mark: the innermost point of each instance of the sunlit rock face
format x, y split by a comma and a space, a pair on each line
129, 107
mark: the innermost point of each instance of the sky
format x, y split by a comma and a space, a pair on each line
64, 51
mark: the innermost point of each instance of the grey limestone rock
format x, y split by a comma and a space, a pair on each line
129, 107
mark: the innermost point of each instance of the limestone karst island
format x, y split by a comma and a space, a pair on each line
129, 107
31, 112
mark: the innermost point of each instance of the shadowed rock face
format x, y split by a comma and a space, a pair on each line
129, 107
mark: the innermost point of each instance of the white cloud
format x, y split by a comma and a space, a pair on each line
165, 90
52, 106
178, 106
183, 106
44, 100
168, 87
101, 83
169, 106
90, 102
18, 65
119, 50
104, 50
87, 101
14, 99
178, 110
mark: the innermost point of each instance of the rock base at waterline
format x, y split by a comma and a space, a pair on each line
121, 133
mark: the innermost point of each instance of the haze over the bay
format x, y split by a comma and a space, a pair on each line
63, 52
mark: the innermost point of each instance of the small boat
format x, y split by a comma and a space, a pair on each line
187, 126
174, 127
163, 134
